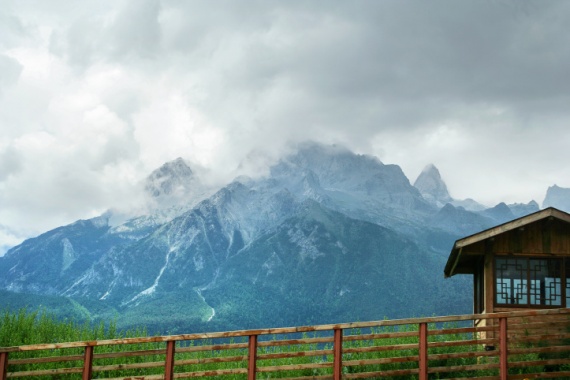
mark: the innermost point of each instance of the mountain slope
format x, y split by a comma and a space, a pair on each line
327, 236
323, 266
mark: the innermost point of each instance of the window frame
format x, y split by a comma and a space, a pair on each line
564, 282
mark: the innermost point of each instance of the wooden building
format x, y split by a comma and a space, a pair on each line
520, 265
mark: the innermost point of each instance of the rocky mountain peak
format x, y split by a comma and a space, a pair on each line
334, 163
169, 178
500, 213
558, 197
174, 188
432, 187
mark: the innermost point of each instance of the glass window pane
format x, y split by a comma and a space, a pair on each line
545, 282
511, 286
567, 275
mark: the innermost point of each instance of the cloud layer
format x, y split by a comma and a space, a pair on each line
95, 95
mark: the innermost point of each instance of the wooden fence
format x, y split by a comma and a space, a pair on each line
514, 345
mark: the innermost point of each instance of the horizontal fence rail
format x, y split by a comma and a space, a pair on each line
513, 345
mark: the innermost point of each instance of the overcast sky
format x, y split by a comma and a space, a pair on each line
96, 94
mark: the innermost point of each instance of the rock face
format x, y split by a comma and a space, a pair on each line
432, 187
171, 178
328, 236
174, 185
558, 197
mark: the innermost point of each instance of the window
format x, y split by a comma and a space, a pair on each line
567, 270
531, 282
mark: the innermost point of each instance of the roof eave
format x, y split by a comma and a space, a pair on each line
455, 254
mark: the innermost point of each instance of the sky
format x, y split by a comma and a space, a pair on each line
96, 94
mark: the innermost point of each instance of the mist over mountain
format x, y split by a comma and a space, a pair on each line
327, 236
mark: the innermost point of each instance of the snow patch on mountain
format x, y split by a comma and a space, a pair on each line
68, 253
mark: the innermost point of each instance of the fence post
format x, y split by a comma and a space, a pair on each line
87, 363
252, 358
337, 354
3, 365
169, 361
503, 349
423, 351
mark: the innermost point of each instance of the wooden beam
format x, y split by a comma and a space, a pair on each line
337, 355
423, 351
3, 365
252, 359
503, 350
88, 363
169, 360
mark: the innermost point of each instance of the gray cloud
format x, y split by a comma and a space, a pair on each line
94, 96
10, 162
10, 69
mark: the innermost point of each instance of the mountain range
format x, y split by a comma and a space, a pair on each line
326, 236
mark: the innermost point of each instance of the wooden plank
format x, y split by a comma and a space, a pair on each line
148, 377
471, 378
211, 373
48, 359
467, 367
212, 347
538, 338
532, 363
458, 330
381, 374
298, 354
120, 367
293, 342
46, 372
222, 359
393, 347
323, 377
462, 355
455, 343
538, 350
394, 335
120, 354
293, 367
525, 325
396, 359
542, 375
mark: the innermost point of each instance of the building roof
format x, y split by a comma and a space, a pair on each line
456, 258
